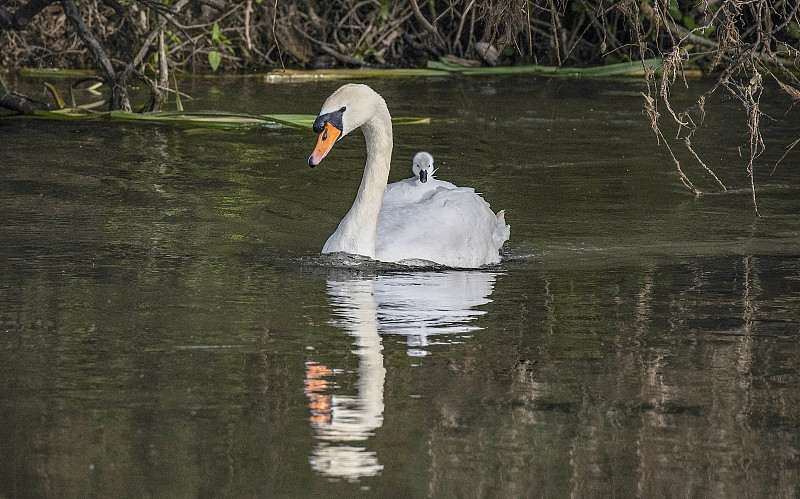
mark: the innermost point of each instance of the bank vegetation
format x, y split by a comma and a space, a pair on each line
741, 43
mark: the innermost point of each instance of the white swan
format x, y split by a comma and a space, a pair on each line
452, 227
414, 189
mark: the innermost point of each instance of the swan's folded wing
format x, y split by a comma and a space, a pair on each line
453, 227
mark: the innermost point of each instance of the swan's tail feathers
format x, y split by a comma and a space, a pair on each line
502, 230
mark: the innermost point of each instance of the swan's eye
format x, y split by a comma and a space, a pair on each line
324, 134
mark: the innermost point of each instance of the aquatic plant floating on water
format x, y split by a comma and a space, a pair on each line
636, 68
211, 119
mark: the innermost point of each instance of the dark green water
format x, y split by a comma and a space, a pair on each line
169, 331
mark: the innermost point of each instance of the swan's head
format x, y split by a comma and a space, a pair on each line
346, 109
423, 166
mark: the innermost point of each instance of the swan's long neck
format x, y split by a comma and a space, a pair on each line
358, 229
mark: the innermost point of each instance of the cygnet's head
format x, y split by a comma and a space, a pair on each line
423, 166
346, 109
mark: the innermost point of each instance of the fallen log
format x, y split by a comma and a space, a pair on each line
22, 103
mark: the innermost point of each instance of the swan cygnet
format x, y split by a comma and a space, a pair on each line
422, 166
449, 226
414, 189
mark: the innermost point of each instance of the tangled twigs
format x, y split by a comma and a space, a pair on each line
146, 44
23, 15
430, 27
247, 11
333, 52
119, 94
274, 35
163, 72
688, 142
747, 34
788, 150
753, 93
653, 115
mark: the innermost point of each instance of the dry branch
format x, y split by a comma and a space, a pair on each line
21, 103
119, 94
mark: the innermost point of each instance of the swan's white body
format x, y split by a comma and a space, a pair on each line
449, 226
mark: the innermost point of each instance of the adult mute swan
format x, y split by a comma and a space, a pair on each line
452, 227
412, 190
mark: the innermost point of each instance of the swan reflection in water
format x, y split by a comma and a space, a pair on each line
422, 306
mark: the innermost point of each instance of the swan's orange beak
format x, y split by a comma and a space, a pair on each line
327, 138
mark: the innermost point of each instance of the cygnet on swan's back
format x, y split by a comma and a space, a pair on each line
412, 190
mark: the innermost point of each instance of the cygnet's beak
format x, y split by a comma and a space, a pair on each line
423, 176
327, 137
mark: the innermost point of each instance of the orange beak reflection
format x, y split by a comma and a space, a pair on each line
325, 143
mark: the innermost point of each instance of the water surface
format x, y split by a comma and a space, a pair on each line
168, 328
